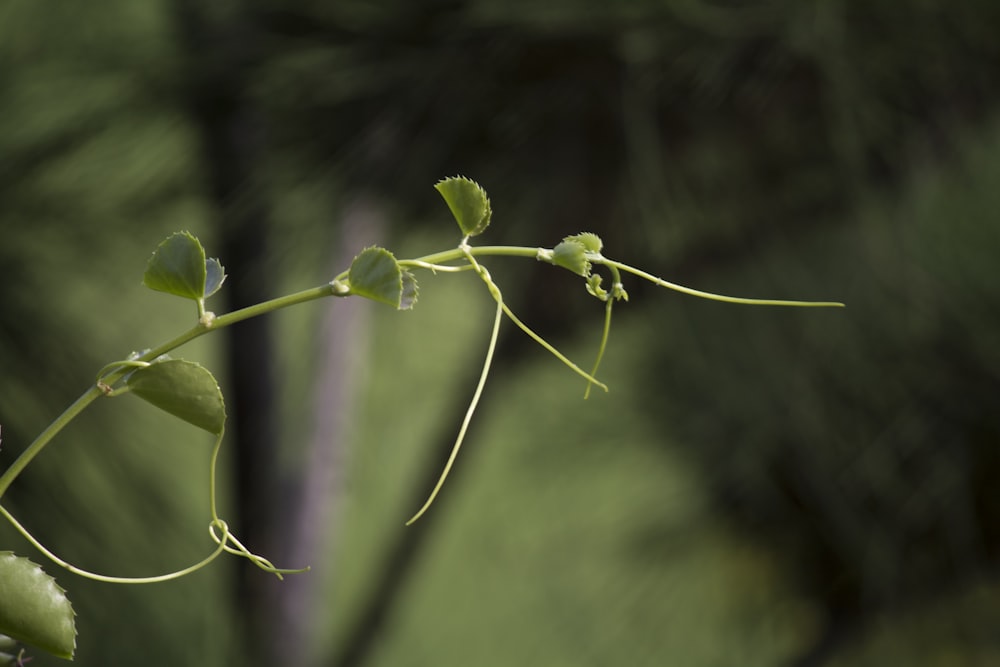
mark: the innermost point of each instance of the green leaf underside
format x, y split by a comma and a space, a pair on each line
184, 389
571, 255
375, 274
33, 608
468, 203
215, 275
178, 267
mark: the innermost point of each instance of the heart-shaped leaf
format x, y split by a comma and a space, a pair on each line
33, 608
184, 389
178, 267
375, 274
468, 203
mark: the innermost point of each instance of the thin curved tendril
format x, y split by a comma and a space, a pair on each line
222, 541
227, 537
600, 259
495, 291
558, 355
604, 343
468, 413
113, 580
212, 465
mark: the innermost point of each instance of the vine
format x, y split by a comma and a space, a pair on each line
34, 610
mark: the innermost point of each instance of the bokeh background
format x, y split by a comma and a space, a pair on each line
760, 487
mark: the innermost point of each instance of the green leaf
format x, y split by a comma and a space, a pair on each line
184, 389
571, 254
591, 241
375, 274
33, 608
179, 267
468, 203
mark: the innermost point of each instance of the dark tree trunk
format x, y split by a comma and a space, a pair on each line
217, 71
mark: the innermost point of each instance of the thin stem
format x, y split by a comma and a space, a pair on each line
122, 367
468, 414
213, 464
60, 422
599, 259
479, 251
271, 305
112, 580
464, 251
116, 371
604, 342
558, 355
434, 268
470, 253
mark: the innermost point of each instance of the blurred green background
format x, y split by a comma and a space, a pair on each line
760, 487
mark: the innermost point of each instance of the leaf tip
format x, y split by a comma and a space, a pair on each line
468, 203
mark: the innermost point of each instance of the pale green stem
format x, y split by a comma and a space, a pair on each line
60, 422
121, 368
599, 259
435, 262
468, 413
558, 355
111, 580
604, 343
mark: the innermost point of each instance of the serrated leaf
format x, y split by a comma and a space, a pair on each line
375, 274
184, 389
177, 267
33, 608
591, 241
468, 203
571, 254
215, 275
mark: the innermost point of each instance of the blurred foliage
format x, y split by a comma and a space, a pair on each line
761, 484
877, 472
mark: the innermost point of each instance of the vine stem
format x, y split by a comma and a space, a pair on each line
208, 321
58, 424
600, 259
119, 369
114, 580
484, 274
205, 325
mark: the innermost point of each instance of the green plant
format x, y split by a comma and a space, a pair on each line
35, 610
